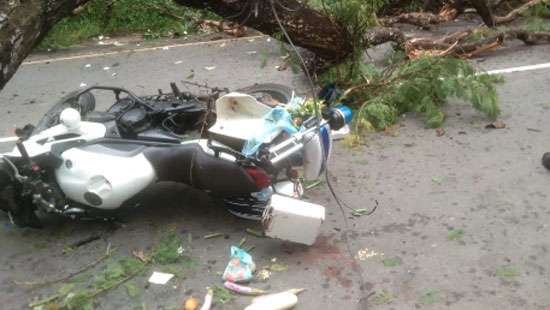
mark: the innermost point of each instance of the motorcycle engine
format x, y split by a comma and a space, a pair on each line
134, 121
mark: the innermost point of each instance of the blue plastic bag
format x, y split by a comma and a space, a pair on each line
276, 120
240, 268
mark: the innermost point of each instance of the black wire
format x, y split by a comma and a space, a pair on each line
341, 205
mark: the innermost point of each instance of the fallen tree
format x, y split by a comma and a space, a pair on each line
333, 33
22, 25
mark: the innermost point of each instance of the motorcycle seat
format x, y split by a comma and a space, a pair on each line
191, 165
100, 117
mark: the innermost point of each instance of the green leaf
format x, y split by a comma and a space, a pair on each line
391, 261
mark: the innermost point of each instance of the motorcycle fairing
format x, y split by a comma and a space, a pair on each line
104, 176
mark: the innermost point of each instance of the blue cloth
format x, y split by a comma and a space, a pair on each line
276, 120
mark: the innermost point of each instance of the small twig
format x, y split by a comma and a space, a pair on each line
243, 241
85, 241
107, 254
256, 233
214, 235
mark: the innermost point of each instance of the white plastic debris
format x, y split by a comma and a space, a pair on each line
165, 48
116, 43
87, 65
106, 68
252, 52
340, 133
223, 44
160, 278
209, 68
114, 74
83, 84
178, 62
268, 40
293, 220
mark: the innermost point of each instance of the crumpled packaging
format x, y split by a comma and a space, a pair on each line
240, 268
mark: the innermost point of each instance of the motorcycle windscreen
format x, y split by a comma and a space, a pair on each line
316, 152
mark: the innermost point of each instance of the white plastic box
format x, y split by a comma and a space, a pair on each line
293, 220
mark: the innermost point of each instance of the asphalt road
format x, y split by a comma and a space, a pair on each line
489, 184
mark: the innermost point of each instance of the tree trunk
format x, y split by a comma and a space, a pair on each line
23, 23
307, 27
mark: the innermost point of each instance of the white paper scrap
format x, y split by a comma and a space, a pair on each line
160, 278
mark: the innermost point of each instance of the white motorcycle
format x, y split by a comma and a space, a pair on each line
81, 163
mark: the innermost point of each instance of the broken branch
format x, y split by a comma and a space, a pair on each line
516, 12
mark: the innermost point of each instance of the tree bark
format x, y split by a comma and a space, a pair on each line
307, 27
23, 23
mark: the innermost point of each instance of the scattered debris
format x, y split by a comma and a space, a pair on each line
209, 68
142, 256
278, 267
507, 272
244, 290
207, 303
440, 132
392, 261
496, 125
160, 278
256, 233
313, 184
430, 297
214, 235
252, 52
166, 251
263, 275
87, 65
365, 254
108, 252
191, 304
242, 242
178, 62
106, 68
534, 130
437, 180
240, 267
455, 234
278, 301
114, 74
222, 295
165, 48
83, 84
285, 213
84, 241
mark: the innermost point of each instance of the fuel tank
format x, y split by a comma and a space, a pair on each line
104, 175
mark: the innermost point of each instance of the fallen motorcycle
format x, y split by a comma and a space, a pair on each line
81, 163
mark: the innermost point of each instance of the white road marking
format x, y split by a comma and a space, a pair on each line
520, 69
138, 50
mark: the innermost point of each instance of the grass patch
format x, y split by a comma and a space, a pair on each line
392, 261
383, 298
508, 272
147, 17
455, 234
430, 297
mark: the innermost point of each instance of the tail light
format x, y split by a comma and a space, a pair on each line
260, 177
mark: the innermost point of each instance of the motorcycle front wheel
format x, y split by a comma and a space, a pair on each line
270, 94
